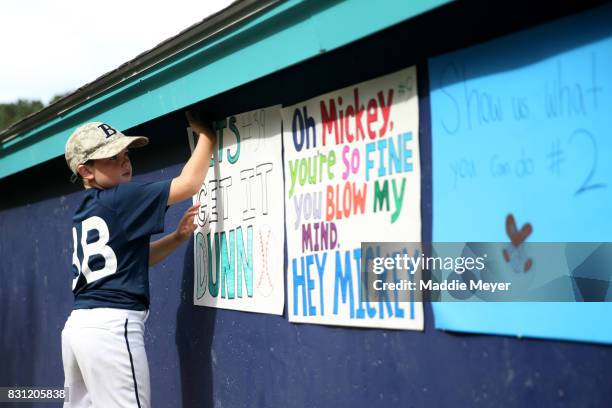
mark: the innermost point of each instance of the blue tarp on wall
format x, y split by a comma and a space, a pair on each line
521, 125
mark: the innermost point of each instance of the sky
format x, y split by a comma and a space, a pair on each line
53, 47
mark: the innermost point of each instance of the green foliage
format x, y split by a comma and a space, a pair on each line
13, 112
58, 97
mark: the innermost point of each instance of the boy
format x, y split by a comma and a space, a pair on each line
105, 363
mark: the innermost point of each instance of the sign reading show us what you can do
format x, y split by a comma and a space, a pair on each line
352, 174
238, 245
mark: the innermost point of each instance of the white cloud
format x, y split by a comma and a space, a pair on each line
51, 47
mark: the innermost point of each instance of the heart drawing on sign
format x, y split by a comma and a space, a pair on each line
517, 238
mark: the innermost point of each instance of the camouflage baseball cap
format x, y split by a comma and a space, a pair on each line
97, 140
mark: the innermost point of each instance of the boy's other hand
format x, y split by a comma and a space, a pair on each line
186, 226
199, 126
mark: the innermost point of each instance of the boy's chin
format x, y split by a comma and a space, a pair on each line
120, 180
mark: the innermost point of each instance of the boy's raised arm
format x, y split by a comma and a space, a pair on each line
192, 176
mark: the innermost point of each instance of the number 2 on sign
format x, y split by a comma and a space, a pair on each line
587, 184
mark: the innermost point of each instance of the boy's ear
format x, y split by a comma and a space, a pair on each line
85, 172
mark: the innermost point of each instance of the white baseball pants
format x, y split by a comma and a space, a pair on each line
105, 363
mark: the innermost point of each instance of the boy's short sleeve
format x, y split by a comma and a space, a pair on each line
141, 207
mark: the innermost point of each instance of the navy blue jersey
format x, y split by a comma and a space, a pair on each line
111, 233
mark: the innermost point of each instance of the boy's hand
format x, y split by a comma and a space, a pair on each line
199, 126
186, 226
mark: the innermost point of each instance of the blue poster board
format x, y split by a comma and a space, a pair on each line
522, 125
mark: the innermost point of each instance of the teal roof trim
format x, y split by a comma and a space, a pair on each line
284, 35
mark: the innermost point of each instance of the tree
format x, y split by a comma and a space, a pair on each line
58, 97
13, 112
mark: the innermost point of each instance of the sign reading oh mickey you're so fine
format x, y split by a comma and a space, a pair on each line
352, 175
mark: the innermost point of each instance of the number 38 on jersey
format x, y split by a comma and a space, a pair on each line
93, 244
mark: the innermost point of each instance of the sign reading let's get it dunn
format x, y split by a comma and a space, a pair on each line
238, 245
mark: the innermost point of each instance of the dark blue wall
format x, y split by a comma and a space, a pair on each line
202, 357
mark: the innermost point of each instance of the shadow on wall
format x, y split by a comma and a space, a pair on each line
194, 334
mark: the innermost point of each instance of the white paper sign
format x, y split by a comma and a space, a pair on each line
352, 174
238, 245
